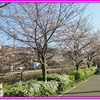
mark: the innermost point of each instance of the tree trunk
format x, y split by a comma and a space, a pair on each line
0, 68
94, 63
77, 66
44, 72
22, 77
88, 65
98, 64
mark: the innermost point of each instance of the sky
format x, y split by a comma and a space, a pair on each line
93, 10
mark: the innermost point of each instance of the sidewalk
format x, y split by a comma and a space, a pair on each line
89, 88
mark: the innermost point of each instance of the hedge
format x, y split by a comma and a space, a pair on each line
56, 83
83, 74
38, 88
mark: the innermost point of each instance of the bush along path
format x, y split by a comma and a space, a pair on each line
55, 85
91, 87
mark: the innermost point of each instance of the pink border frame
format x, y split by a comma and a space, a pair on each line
48, 98
81, 1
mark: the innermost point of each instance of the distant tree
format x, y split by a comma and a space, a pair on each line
93, 50
77, 36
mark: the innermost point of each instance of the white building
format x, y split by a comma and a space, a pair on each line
36, 65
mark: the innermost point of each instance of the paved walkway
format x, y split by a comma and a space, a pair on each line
89, 88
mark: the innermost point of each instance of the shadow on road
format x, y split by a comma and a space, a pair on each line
83, 92
97, 73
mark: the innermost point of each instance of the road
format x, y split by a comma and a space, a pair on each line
91, 87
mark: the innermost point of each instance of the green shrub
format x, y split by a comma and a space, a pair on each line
82, 74
44, 88
97, 70
94, 69
63, 81
32, 88
18, 89
55, 84
7, 90
91, 71
72, 80
88, 72
79, 75
49, 88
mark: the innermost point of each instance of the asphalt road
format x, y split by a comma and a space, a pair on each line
91, 87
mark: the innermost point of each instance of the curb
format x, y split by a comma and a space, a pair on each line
75, 86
